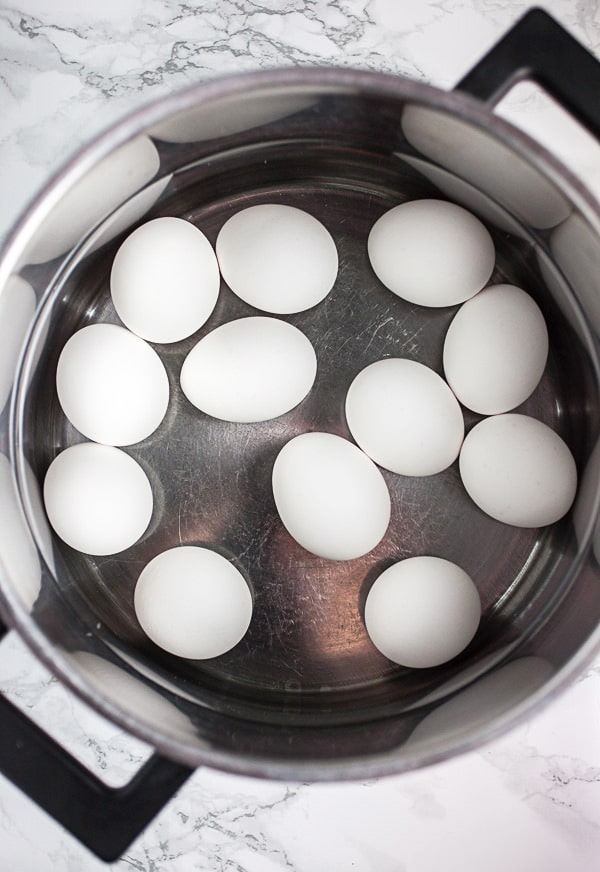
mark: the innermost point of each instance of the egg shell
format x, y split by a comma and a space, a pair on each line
97, 498
496, 349
405, 417
330, 496
251, 369
431, 252
193, 602
165, 280
112, 385
422, 611
277, 258
518, 470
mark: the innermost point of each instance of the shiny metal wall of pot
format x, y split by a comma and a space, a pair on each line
305, 694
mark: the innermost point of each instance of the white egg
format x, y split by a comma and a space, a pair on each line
192, 602
331, 498
112, 385
431, 252
248, 370
165, 280
277, 258
405, 417
422, 612
97, 498
518, 470
496, 349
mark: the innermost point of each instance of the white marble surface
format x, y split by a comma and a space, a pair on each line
530, 802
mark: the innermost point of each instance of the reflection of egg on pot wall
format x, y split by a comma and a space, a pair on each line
132, 211
202, 123
101, 190
481, 159
478, 705
467, 195
130, 693
20, 560
575, 247
17, 308
585, 504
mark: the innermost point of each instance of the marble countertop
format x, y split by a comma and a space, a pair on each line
529, 802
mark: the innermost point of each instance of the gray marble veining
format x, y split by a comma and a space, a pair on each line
529, 802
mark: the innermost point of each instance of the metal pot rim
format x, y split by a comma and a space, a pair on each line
324, 79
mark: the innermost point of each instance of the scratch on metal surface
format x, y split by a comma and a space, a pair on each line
376, 331
411, 343
366, 331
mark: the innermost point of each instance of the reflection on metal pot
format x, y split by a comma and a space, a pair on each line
479, 158
491, 697
19, 561
104, 187
576, 249
467, 195
212, 121
17, 308
130, 693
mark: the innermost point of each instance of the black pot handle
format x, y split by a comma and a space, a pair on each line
540, 49
104, 819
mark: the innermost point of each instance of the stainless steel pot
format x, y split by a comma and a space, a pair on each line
305, 695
